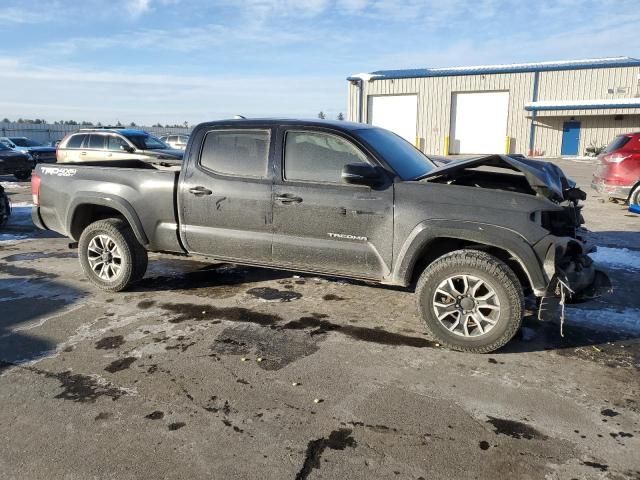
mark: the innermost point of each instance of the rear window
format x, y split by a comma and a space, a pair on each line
75, 141
243, 153
617, 143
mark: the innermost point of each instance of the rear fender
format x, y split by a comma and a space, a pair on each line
114, 202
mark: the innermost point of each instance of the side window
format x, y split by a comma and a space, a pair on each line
114, 143
318, 157
96, 142
172, 138
75, 141
243, 153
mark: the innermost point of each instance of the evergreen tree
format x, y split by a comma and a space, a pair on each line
321, 115
340, 116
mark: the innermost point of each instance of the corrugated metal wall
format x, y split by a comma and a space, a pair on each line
593, 130
598, 126
48, 132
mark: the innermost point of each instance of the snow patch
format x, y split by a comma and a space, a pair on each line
625, 321
13, 186
617, 258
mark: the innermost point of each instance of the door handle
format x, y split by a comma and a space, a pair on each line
200, 191
288, 199
83, 153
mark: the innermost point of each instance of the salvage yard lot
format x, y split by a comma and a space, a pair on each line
218, 371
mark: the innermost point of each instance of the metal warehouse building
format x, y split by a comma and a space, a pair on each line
540, 109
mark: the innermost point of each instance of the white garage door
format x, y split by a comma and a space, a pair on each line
478, 122
398, 113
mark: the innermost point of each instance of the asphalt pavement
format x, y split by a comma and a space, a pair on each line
216, 371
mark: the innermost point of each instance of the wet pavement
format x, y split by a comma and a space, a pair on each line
219, 371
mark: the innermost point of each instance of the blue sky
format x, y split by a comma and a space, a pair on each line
194, 60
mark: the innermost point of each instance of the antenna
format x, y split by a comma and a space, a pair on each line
239, 117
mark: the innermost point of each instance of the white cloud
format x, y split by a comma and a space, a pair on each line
108, 96
22, 15
137, 7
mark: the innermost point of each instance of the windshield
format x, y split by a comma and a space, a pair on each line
144, 141
406, 160
25, 142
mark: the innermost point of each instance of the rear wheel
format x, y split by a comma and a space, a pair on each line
634, 198
23, 175
470, 301
110, 255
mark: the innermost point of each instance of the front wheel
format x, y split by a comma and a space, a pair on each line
23, 175
110, 255
470, 301
634, 198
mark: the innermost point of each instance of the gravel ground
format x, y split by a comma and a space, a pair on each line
219, 371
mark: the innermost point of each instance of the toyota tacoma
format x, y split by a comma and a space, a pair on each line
342, 199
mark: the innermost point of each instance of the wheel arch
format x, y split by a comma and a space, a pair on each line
430, 240
88, 208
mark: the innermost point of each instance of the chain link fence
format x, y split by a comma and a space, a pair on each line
49, 132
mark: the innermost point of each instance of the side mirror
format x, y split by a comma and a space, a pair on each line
127, 148
361, 174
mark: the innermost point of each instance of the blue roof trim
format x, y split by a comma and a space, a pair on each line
514, 68
577, 106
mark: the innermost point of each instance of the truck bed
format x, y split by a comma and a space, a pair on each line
144, 193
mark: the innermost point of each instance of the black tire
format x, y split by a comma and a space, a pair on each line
134, 258
634, 198
23, 175
5, 208
494, 273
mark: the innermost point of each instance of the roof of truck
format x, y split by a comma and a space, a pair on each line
313, 122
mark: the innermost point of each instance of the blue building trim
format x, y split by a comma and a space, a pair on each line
493, 69
577, 106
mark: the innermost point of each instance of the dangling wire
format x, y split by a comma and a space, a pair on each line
563, 289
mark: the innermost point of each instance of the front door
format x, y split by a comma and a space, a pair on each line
321, 223
570, 138
226, 196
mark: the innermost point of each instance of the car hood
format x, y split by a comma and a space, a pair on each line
40, 149
165, 153
545, 178
13, 154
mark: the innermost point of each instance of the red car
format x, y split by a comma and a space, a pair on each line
618, 174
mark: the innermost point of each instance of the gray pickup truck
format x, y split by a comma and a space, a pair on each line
342, 199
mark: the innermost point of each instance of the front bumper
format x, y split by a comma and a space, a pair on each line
613, 191
572, 274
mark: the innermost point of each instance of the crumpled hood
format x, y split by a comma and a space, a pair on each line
545, 178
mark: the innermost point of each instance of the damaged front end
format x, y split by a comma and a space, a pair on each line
571, 275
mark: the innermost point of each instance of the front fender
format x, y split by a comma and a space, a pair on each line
111, 201
429, 231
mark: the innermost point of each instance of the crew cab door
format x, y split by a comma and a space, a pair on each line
321, 223
225, 195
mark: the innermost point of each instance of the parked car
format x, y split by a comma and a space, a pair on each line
97, 145
41, 153
618, 172
343, 199
176, 141
16, 163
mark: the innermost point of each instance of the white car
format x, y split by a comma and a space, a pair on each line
177, 141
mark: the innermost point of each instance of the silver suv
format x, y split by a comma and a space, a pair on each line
95, 145
175, 140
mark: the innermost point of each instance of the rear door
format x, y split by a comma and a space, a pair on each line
94, 147
225, 195
321, 223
